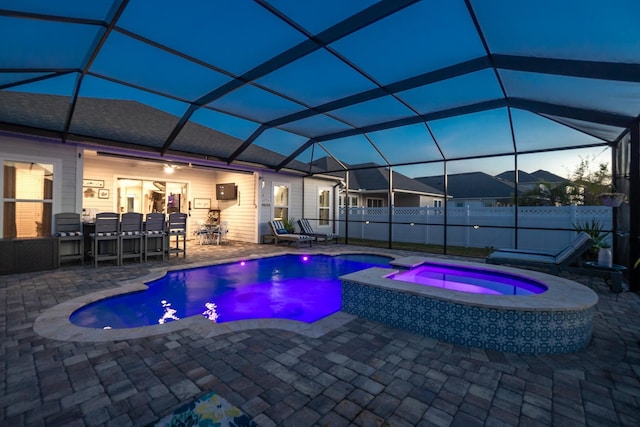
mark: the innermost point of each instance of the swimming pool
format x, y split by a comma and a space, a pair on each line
303, 288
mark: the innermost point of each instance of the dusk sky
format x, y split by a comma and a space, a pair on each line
388, 82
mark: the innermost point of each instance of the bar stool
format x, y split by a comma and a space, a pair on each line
155, 236
131, 242
68, 229
177, 228
106, 237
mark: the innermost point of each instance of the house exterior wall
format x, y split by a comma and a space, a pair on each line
241, 212
312, 187
67, 166
403, 200
303, 198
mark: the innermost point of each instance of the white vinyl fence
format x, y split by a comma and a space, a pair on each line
475, 227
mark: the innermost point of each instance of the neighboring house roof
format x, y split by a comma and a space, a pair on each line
530, 178
371, 177
471, 185
547, 176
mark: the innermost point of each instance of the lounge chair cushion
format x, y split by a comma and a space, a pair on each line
282, 231
527, 257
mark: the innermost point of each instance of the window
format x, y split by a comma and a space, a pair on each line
437, 203
135, 195
27, 199
280, 202
324, 204
375, 203
353, 201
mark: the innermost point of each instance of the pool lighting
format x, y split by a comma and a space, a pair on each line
305, 258
242, 263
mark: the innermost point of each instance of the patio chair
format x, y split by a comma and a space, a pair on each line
221, 232
551, 261
131, 236
282, 235
305, 228
202, 232
68, 230
155, 236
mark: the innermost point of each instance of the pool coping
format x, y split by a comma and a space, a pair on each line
54, 322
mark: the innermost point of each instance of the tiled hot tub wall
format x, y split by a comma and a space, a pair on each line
516, 331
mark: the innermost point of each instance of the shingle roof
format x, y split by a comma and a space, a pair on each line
373, 177
470, 185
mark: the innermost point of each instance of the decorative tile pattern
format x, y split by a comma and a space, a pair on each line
510, 330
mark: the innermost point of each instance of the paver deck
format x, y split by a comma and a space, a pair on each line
360, 373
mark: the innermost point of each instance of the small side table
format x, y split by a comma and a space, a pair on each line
613, 273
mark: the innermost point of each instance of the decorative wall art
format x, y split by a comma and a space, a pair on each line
96, 183
202, 203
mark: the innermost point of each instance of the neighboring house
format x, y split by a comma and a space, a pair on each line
528, 181
478, 189
474, 189
369, 186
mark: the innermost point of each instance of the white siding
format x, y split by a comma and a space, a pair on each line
201, 184
312, 187
64, 157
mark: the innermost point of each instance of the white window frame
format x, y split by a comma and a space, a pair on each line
286, 206
324, 221
378, 201
57, 181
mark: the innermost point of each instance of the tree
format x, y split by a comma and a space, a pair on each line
588, 184
582, 188
546, 194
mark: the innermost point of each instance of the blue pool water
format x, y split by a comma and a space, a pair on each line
468, 279
296, 287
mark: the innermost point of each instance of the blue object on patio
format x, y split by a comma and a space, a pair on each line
208, 410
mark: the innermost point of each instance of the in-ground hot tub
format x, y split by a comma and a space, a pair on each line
556, 320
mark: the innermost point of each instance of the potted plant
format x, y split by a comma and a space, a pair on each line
604, 254
289, 224
595, 229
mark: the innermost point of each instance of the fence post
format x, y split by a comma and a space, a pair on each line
573, 213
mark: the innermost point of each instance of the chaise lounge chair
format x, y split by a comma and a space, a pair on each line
553, 262
282, 235
305, 228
